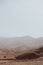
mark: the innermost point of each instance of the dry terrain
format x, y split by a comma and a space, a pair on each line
11, 57
39, 62
21, 51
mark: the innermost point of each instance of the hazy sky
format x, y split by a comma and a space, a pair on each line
21, 17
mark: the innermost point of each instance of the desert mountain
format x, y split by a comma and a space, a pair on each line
16, 42
21, 43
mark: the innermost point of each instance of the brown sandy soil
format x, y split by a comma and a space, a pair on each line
32, 57
21, 51
27, 61
39, 62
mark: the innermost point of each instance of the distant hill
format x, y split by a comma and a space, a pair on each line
21, 43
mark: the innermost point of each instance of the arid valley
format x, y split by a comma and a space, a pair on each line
21, 51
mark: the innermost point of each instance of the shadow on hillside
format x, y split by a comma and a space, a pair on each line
33, 55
